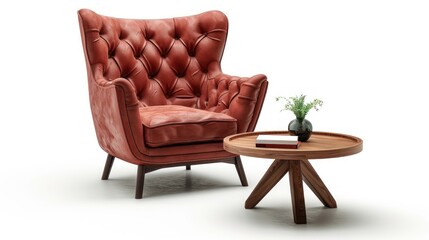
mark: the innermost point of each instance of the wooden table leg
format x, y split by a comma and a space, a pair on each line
299, 171
272, 176
315, 183
297, 192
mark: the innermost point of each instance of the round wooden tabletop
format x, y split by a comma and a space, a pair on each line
320, 145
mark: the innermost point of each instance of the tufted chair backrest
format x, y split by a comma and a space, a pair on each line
167, 61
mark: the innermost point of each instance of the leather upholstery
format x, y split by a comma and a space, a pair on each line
173, 124
157, 91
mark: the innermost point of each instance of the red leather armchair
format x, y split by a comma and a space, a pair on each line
158, 95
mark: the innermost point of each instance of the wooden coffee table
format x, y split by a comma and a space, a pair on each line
295, 161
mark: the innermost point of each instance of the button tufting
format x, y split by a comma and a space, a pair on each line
180, 75
147, 36
163, 53
191, 53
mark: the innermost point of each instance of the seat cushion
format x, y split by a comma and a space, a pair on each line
173, 124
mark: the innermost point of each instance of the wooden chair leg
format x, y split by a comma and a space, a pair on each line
240, 171
140, 181
107, 167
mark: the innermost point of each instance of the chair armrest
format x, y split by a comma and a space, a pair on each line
124, 85
114, 107
239, 97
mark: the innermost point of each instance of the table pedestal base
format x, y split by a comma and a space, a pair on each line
299, 170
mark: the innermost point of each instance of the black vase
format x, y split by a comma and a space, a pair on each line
300, 127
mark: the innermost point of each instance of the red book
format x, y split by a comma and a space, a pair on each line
277, 141
276, 145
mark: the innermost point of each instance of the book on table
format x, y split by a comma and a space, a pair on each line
277, 141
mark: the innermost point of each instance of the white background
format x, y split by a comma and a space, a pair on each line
367, 60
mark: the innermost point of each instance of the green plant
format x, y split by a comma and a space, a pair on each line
298, 105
